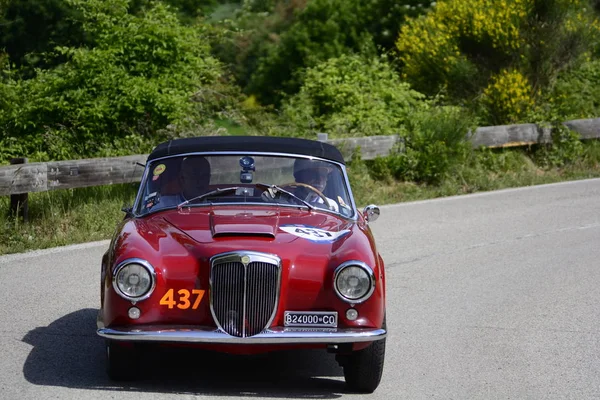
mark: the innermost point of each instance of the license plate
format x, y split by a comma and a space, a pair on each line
323, 319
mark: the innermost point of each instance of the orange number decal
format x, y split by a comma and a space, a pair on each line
167, 299
200, 294
184, 299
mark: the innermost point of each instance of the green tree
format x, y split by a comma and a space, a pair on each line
30, 29
323, 29
243, 42
384, 18
300, 34
188, 10
141, 76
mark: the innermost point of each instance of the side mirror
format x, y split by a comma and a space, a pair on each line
371, 212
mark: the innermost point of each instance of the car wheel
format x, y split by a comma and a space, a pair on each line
363, 368
121, 361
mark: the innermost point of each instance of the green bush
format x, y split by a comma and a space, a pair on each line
139, 78
576, 93
353, 96
502, 57
444, 47
566, 148
434, 145
500, 161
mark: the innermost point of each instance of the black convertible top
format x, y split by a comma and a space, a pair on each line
247, 143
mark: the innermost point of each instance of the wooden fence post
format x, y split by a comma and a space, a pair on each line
18, 202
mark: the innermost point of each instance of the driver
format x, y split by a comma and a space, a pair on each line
313, 173
194, 178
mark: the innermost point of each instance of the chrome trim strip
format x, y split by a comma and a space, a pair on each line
365, 267
254, 153
138, 196
350, 194
275, 335
236, 256
244, 302
144, 264
354, 216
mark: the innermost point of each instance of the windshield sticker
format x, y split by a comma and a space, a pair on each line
313, 234
151, 200
159, 169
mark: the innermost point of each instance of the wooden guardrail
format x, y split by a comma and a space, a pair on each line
44, 176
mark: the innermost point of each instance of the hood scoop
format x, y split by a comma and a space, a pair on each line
227, 223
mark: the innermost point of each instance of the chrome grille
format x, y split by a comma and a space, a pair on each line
244, 296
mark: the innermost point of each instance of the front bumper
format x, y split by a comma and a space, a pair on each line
274, 335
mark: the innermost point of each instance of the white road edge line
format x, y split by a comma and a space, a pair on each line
37, 253
492, 192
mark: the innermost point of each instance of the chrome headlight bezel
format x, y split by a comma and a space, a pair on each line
147, 266
361, 265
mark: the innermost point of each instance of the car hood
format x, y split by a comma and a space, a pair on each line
211, 224
198, 233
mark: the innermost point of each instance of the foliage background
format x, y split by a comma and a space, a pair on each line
86, 78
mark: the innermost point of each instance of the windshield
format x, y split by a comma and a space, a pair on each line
197, 180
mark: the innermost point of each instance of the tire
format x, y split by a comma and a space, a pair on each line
363, 368
121, 361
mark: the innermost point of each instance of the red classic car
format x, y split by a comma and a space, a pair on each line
245, 245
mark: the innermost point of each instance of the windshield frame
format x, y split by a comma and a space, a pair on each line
145, 177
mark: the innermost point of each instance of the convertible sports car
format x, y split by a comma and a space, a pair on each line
245, 245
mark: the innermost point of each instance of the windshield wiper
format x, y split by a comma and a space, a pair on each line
209, 194
274, 189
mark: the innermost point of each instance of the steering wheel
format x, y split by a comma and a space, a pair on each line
295, 185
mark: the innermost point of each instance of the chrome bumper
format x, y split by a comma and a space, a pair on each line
275, 335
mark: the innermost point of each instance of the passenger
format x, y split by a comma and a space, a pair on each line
313, 173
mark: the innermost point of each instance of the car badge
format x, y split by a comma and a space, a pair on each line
245, 260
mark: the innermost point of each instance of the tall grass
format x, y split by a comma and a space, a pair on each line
482, 170
63, 217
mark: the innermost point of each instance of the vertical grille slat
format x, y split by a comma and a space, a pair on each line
238, 290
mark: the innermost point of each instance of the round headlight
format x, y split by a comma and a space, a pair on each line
354, 282
134, 280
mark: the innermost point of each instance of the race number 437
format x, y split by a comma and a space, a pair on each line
182, 299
